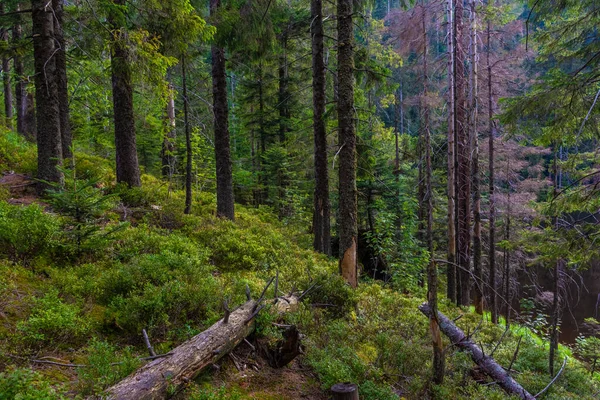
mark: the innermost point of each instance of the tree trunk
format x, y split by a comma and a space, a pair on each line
492, 187
46, 91
225, 204
344, 391
165, 376
61, 79
8, 110
284, 92
348, 229
321, 211
188, 141
506, 251
168, 147
432, 285
128, 170
486, 363
463, 172
21, 88
474, 134
451, 256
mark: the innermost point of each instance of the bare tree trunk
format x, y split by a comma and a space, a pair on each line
557, 265
47, 101
474, 133
188, 140
432, 284
21, 88
8, 108
451, 257
61, 79
492, 187
506, 251
128, 170
348, 229
284, 92
225, 203
321, 221
168, 147
463, 172
486, 363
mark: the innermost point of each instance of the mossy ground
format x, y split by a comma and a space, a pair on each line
148, 266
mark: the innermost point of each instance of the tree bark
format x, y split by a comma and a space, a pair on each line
128, 170
8, 98
165, 376
61, 80
463, 172
486, 363
432, 285
321, 221
188, 141
348, 229
21, 88
451, 256
168, 147
474, 134
225, 203
47, 101
345, 391
492, 187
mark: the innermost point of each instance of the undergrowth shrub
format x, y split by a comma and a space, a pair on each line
53, 322
26, 232
16, 153
105, 366
25, 384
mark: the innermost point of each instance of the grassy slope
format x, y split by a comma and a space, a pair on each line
169, 273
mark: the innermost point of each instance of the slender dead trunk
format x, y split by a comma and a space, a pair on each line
188, 140
168, 146
47, 101
506, 251
8, 98
225, 203
128, 170
21, 87
451, 256
473, 114
463, 172
492, 187
61, 79
321, 221
348, 229
432, 284
557, 265
284, 92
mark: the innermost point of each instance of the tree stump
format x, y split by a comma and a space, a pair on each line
344, 391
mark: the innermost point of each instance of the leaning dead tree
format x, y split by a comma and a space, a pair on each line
486, 363
167, 375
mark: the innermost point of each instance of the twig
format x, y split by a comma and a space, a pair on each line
148, 345
499, 341
254, 314
276, 285
234, 362
227, 311
553, 380
249, 344
514, 358
306, 291
248, 295
262, 295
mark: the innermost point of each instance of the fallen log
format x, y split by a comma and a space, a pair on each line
485, 363
166, 376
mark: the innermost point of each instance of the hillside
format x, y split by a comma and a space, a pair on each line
80, 293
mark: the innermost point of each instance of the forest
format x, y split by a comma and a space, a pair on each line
299, 199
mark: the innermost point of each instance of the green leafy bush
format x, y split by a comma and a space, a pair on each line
106, 365
16, 153
25, 231
25, 384
53, 322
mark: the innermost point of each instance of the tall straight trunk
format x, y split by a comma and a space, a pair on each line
30, 117
46, 91
432, 285
556, 282
225, 204
61, 79
348, 229
284, 92
188, 141
492, 187
321, 221
168, 146
474, 133
463, 172
128, 170
8, 98
451, 256
21, 87
506, 251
